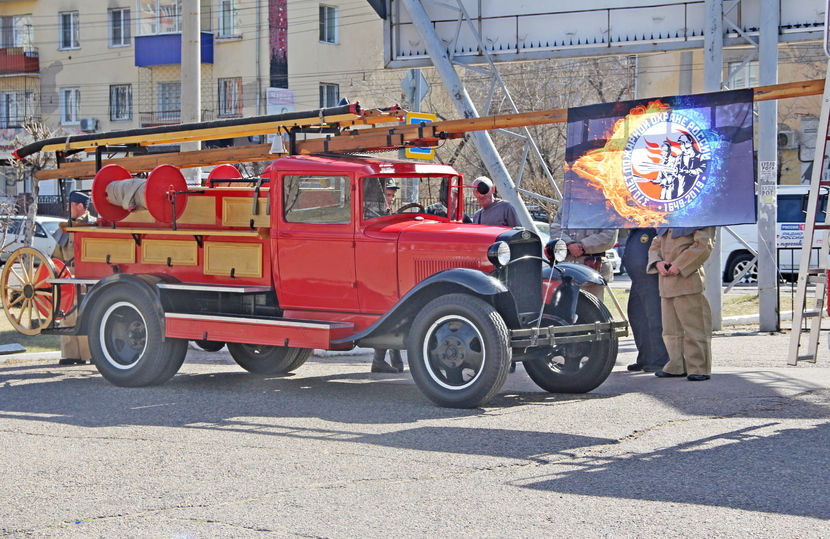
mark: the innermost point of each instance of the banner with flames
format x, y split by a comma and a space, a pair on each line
680, 161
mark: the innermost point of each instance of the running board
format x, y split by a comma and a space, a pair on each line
265, 331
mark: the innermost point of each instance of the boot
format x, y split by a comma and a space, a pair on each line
379, 363
397, 361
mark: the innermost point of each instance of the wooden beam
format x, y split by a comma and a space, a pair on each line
146, 163
789, 89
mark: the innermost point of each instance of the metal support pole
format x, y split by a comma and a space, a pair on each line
768, 170
191, 76
464, 105
712, 79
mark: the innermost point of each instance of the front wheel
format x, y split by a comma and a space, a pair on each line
576, 367
265, 359
127, 340
459, 352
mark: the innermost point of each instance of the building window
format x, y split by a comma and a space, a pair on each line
170, 101
328, 24
230, 97
69, 34
159, 17
70, 104
745, 77
14, 107
228, 18
119, 27
17, 31
329, 95
121, 102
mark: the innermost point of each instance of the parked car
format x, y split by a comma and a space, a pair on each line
789, 234
43, 240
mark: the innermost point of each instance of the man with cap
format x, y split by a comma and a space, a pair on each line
74, 350
391, 191
379, 363
493, 211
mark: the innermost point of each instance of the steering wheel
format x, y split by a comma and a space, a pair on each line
409, 206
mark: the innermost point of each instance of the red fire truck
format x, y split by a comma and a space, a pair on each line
308, 256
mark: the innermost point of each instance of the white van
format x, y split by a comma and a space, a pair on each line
789, 234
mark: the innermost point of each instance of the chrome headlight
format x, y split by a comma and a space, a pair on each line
499, 254
556, 250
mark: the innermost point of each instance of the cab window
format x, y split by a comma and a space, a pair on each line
317, 199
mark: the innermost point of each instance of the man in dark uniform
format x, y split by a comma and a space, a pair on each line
644, 313
74, 350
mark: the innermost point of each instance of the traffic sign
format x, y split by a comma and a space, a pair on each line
420, 153
415, 87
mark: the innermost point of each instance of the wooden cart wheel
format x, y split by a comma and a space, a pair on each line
27, 297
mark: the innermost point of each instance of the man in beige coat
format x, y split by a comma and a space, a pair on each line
677, 255
74, 350
587, 245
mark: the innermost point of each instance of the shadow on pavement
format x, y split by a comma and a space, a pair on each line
784, 472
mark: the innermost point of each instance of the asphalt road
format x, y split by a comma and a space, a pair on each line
333, 451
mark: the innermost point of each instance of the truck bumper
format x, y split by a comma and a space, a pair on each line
559, 335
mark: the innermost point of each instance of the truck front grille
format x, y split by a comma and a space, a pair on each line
523, 275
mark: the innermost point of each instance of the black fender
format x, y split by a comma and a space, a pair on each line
473, 281
143, 284
580, 273
572, 276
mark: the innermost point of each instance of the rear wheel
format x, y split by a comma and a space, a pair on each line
127, 341
576, 367
458, 351
265, 359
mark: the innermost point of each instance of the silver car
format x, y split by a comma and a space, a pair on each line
11, 235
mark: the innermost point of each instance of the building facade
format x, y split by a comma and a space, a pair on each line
85, 66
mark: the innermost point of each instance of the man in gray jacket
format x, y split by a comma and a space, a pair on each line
587, 247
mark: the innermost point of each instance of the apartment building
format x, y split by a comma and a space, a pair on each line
85, 66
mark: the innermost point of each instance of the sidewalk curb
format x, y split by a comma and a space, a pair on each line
31, 356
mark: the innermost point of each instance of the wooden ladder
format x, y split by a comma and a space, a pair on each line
807, 314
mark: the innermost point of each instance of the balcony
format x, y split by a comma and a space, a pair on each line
166, 49
19, 60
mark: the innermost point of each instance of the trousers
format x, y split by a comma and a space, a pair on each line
687, 332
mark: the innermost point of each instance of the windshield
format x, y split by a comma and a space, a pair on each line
387, 195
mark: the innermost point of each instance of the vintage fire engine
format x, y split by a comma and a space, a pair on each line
307, 256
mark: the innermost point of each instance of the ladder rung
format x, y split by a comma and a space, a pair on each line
811, 314
820, 278
806, 357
